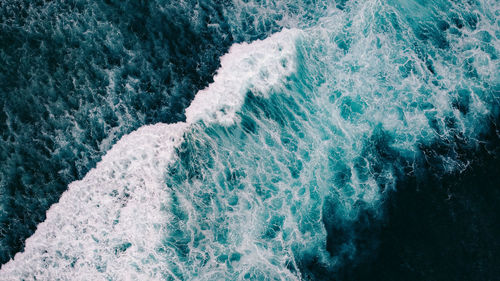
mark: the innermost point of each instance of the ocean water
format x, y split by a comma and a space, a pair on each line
249, 140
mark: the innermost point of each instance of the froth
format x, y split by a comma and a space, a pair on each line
255, 67
108, 221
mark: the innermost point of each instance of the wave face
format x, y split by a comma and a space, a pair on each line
282, 167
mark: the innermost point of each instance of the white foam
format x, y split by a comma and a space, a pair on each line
256, 67
118, 202
109, 224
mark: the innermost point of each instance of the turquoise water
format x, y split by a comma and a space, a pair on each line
279, 165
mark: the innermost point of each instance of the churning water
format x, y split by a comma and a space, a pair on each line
248, 140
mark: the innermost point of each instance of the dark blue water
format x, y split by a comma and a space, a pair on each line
334, 140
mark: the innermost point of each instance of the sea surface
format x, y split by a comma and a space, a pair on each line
249, 140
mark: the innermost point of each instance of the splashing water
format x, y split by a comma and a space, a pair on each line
296, 143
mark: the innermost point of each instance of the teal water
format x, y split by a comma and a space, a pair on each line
288, 161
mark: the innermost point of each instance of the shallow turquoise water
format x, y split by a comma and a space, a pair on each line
283, 165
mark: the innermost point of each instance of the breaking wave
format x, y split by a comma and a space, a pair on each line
286, 159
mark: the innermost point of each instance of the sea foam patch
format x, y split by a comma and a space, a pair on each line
257, 67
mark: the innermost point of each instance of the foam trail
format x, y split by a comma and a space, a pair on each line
110, 225
255, 67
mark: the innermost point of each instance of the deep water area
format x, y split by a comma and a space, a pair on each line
249, 140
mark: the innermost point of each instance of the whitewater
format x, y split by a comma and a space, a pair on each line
301, 136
